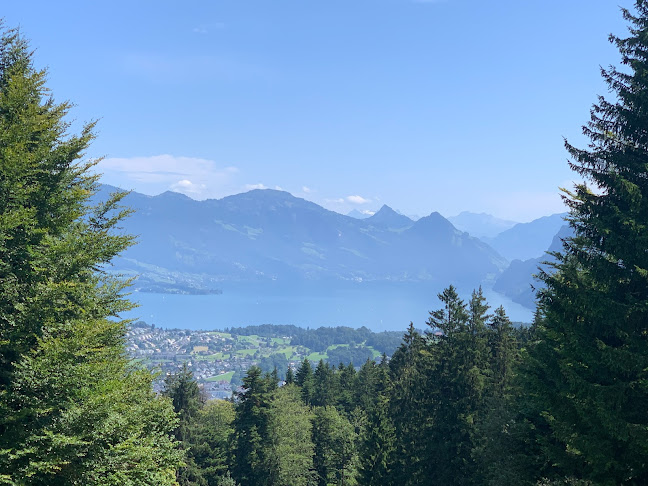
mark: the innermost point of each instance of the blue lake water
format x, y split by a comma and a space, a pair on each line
378, 307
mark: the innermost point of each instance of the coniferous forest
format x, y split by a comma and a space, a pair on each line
472, 400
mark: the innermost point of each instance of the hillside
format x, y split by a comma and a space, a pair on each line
188, 246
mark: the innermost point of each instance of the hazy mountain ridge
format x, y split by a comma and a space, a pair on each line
267, 235
517, 281
527, 240
481, 225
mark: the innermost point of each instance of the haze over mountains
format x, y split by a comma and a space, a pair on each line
268, 238
480, 224
268, 235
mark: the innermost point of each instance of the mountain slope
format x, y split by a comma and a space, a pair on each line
517, 281
480, 225
272, 236
527, 240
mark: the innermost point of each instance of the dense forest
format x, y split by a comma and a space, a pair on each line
469, 401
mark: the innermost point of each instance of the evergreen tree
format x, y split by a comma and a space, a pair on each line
250, 438
376, 447
290, 376
408, 391
210, 435
325, 391
588, 369
185, 394
457, 379
290, 458
73, 408
304, 378
347, 383
335, 448
182, 388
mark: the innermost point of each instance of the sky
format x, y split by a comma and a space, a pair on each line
424, 105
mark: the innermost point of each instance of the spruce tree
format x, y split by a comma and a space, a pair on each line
407, 396
588, 370
250, 464
335, 455
456, 380
73, 408
185, 394
290, 448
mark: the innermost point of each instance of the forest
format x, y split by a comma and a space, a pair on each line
471, 400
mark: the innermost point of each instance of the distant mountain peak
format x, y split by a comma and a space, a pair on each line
354, 213
386, 216
170, 194
480, 224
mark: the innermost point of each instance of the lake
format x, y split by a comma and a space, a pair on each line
379, 307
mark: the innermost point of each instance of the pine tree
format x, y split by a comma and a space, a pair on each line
183, 390
250, 465
210, 434
376, 447
73, 408
588, 371
325, 389
457, 380
290, 446
335, 448
304, 378
290, 376
407, 395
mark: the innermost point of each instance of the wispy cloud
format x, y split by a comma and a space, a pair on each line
306, 189
357, 200
340, 200
195, 177
204, 29
250, 187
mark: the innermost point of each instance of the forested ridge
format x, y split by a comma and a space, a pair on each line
469, 401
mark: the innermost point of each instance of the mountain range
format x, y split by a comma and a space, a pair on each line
272, 236
269, 237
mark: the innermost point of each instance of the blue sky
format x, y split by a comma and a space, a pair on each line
437, 105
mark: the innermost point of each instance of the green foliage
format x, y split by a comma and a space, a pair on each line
376, 447
251, 436
335, 457
588, 367
407, 397
226, 480
457, 380
289, 429
210, 432
72, 408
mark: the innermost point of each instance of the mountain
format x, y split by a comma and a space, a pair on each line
272, 237
517, 281
527, 240
480, 224
386, 217
354, 213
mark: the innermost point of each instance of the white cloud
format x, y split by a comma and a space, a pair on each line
306, 189
206, 28
367, 212
196, 177
278, 188
357, 200
335, 201
250, 187
189, 188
